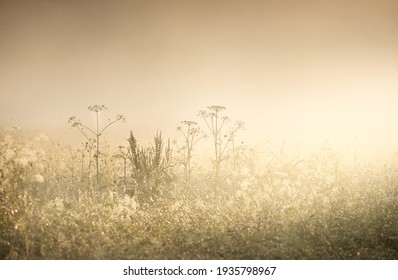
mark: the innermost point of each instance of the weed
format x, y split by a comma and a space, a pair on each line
215, 123
280, 207
151, 167
97, 132
192, 135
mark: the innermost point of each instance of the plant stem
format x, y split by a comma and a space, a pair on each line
97, 157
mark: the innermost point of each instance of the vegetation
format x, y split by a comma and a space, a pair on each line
192, 135
150, 168
267, 206
94, 143
216, 124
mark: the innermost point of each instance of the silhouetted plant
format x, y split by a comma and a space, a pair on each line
192, 134
97, 132
216, 124
150, 167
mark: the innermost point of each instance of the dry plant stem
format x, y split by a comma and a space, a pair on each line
211, 120
150, 167
215, 124
191, 138
97, 133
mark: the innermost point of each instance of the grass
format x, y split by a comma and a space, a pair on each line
275, 208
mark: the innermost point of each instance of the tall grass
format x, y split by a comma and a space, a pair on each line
267, 207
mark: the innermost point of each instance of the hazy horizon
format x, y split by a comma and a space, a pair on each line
306, 71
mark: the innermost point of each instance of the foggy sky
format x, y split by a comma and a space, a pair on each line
301, 69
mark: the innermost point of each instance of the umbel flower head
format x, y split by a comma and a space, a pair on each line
97, 108
216, 108
189, 123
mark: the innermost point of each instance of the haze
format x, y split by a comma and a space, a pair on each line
307, 71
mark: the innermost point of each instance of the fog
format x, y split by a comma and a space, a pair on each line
296, 72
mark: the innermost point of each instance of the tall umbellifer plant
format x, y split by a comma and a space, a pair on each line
96, 132
192, 134
216, 123
151, 167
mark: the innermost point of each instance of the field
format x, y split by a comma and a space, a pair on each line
152, 202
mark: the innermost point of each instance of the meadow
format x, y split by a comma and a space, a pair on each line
158, 201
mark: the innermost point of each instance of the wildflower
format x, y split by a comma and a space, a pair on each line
38, 178
189, 123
